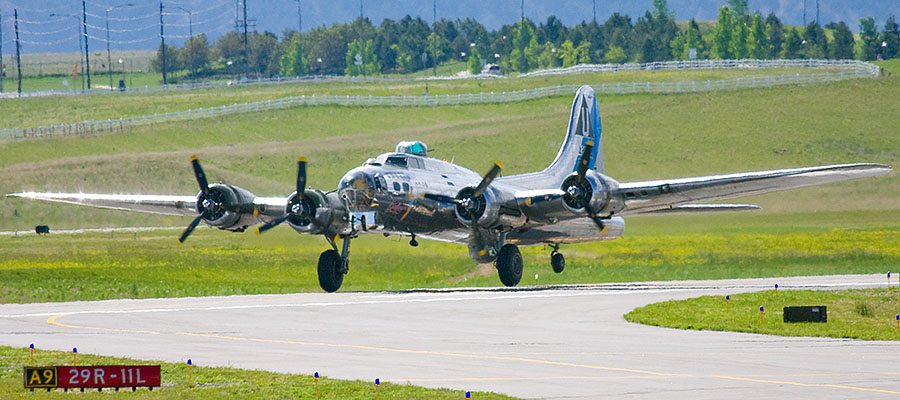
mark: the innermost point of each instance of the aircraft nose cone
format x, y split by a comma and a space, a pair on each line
358, 189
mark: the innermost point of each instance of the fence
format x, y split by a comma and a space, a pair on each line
854, 69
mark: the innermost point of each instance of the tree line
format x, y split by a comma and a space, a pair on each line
410, 44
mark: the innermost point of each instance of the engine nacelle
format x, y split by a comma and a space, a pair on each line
594, 193
487, 210
318, 213
227, 207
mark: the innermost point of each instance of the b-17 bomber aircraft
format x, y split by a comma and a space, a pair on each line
405, 192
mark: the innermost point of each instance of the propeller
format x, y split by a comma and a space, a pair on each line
468, 201
576, 193
207, 202
296, 202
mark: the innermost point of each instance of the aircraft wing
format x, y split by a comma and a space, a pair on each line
156, 204
674, 194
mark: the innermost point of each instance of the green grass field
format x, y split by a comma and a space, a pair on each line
213, 382
857, 314
41, 111
851, 226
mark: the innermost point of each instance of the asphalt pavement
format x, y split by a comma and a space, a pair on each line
559, 342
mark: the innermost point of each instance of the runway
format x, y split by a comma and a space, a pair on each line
566, 342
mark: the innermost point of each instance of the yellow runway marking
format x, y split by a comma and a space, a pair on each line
737, 378
434, 353
52, 321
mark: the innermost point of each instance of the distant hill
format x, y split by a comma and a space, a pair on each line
137, 27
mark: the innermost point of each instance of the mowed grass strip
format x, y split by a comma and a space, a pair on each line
868, 314
97, 266
213, 382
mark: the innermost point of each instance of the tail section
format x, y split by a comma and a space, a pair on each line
584, 126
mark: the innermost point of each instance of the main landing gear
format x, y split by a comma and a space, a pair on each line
509, 264
333, 266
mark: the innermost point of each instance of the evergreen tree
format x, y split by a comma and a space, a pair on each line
890, 38
553, 31
816, 45
842, 45
617, 32
792, 46
292, 62
868, 38
721, 44
739, 7
758, 41
775, 31
661, 9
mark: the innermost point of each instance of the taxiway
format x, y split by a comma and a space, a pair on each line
563, 342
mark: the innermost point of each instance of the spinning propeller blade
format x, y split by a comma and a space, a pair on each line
271, 224
301, 186
495, 170
201, 177
301, 177
190, 228
584, 160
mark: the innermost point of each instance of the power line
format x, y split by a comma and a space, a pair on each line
145, 27
55, 42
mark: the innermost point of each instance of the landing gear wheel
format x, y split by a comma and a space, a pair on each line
331, 271
509, 265
558, 262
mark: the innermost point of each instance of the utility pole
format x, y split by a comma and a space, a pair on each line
87, 54
246, 45
817, 11
360, 9
18, 56
162, 38
299, 19
804, 12
1, 53
523, 10
434, 59
594, 4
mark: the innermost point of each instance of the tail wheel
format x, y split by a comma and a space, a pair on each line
558, 262
331, 271
509, 265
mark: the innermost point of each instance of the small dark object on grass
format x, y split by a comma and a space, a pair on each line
42, 229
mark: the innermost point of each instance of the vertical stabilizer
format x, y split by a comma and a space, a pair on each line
584, 126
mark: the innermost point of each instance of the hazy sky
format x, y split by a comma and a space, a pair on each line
137, 26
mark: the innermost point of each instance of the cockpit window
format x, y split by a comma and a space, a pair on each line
416, 162
396, 160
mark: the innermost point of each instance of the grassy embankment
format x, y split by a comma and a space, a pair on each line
213, 383
858, 314
850, 227
42, 111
